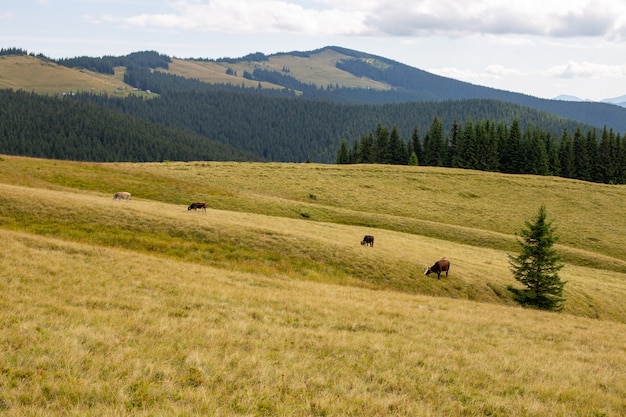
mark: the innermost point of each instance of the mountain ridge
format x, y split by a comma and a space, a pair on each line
333, 73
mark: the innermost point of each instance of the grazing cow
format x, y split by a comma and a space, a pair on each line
368, 240
196, 206
122, 196
442, 265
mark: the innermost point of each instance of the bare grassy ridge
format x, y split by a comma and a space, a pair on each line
45, 77
268, 305
319, 69
28, 73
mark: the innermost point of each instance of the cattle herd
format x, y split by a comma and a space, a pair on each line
442, 265
123, 195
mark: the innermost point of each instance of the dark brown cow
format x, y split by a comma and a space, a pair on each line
442, 265
368, 240
196, 206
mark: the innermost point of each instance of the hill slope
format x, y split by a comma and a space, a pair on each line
428, 218
267, 305
29, 73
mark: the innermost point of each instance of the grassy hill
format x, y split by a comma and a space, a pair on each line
268, 305
29, 73
319, 69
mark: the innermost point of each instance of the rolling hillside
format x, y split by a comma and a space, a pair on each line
268, 305
331, 73
466, 209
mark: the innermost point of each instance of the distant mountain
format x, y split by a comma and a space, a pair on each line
620, 101
331, 73
343, 75
565, 97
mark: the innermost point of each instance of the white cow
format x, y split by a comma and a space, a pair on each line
122, 196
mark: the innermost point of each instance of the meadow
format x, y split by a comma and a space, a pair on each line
268, 305
28, 73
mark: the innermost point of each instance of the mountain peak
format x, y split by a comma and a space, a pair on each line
565, 97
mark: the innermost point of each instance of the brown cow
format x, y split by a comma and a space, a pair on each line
368, 240
442, 265
195, 206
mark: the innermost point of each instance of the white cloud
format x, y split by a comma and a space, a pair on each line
458, 74
484, 75
531, 17
502, 71
574, 69
560, 18
264, 16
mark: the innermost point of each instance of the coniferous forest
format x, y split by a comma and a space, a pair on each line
495, 146
50, 127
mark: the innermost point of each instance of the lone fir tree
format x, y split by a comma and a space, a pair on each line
537, 266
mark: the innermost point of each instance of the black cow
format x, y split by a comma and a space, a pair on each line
368, 240
442, 265
196, 206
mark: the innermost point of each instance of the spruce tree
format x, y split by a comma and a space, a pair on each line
397, 149
416, 144
537, 266
381, 145
343, 156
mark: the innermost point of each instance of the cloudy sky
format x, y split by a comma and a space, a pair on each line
544, 48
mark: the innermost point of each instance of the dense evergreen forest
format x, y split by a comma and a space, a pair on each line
498, 147
64, 128
295, 129
228, 125
107, 64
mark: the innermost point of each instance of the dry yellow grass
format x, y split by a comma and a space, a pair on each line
144, 308
319, 69
34, 74
89, 330
214, 73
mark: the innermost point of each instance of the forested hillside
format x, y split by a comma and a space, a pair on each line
228, 125
295, 129
65, 128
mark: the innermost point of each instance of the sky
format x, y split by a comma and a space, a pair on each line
543, 48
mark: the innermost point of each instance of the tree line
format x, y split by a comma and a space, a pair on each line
499, 147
